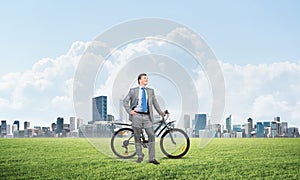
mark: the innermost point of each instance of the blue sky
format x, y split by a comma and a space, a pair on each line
239, 32
242, 34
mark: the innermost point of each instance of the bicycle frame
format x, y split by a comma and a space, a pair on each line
162, 123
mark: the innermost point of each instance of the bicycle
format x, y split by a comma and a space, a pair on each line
174, 142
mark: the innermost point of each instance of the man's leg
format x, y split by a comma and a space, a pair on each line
151, 138
137, 140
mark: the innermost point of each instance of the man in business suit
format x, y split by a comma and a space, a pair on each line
139, 104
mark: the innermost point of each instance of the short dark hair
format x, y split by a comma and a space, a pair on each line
140, 77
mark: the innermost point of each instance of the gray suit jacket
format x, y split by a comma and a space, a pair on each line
132, 98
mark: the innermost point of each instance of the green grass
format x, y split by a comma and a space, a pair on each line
221, 159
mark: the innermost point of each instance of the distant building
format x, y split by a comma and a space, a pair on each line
3, 128
72, 123
53, 126
237, 128
267, 124
17, 122
110, 118
283, 129
274, 129
26, 125
228, 123
260, 130
277, 119
100, 108
59, 124
293, 132
200, 123
79, 122
248, 129
250, 121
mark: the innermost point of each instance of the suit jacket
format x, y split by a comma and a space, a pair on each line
132, 98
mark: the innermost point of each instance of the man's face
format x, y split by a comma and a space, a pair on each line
144, 81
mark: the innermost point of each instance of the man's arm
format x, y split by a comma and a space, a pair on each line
156, 105
126, 102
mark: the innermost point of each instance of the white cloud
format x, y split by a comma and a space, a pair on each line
42, 92
263, 91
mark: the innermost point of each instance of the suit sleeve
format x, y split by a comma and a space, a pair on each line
156, 105
126, 102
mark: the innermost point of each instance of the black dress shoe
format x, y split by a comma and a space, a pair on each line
139, 160
154, 161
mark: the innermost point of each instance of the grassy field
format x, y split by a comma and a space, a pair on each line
220, 159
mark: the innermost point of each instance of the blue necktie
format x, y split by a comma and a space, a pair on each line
144, 100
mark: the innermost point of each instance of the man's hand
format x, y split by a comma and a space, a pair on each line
132, 112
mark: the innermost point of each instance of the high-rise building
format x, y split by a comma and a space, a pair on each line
59, 124
267, 124
283, 128
260, 130
228, 123
3, 128
277, 119
187, 121
248, 129
237, 128
100, 108
79, 122
26, 125
53, 126
200, 123
14, 128
72, 123
17, 122
250, 121
110, 118
274, 129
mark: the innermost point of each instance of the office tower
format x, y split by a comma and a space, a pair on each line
17, 122
248, 129
187, 121
267, 124
274, 129
26, 125
250, 121
260, 130
8, 129
293, 132
59, 124
110, 118
53, 126
14, 128
200, 123
228, 123
277, 119
283, 128
3, 128
79, 122
100, 108
236, 128
72, 123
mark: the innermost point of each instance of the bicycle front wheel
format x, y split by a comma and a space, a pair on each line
122, 143
175, 143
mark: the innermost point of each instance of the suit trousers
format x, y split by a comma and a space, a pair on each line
140, 121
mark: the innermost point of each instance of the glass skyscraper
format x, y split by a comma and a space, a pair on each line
228, 123
200, 123
100, 108
260, 130
16, 122
59, 124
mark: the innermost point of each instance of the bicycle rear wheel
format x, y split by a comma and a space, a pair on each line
175, 143
122, 143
